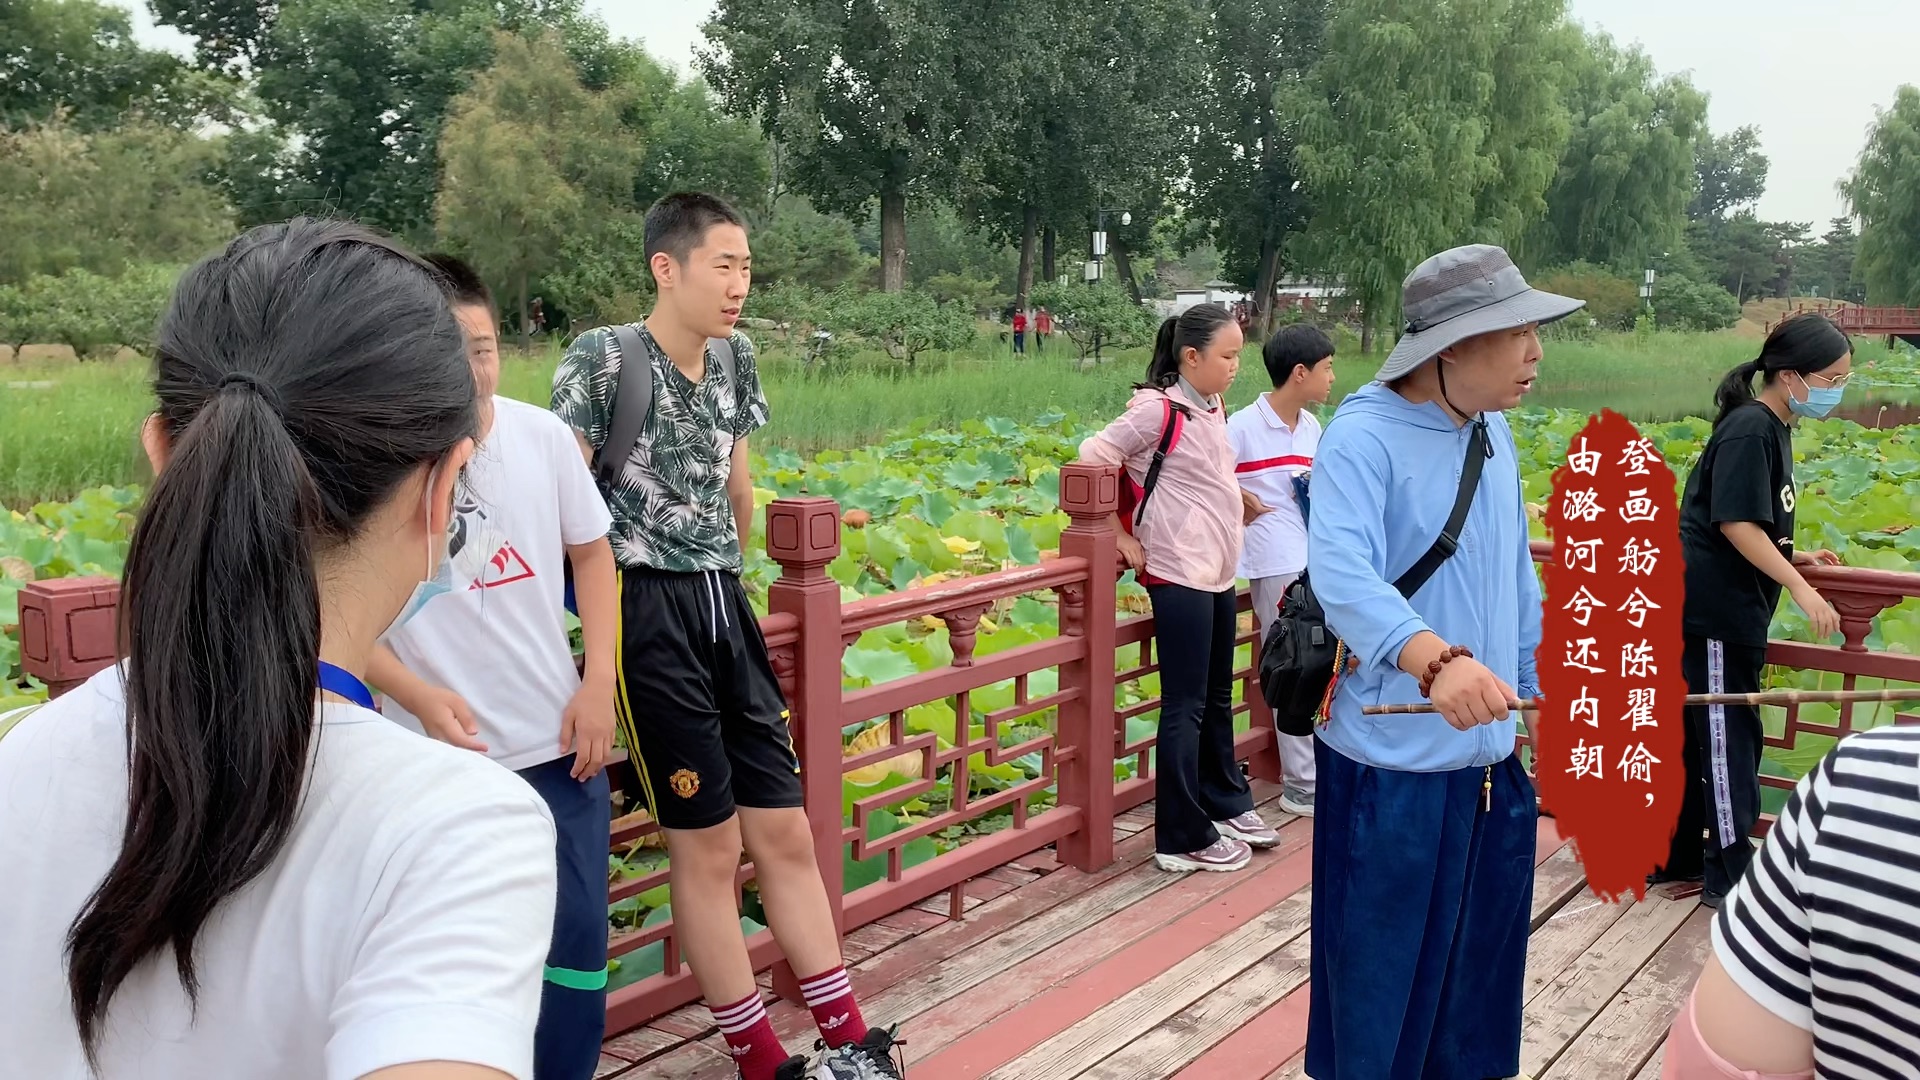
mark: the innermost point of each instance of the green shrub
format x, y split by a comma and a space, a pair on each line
906, 323
1083, 311
1684, 304
86, 311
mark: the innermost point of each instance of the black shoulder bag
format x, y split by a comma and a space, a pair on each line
1300, 655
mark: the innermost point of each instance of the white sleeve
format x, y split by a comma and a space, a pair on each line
584, 516
1237, 438
451, 967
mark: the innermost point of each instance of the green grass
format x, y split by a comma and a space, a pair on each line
66, 426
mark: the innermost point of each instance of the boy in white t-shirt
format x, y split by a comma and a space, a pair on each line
1274, 440
488, 665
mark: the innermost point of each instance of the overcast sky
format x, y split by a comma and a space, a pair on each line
1808, 75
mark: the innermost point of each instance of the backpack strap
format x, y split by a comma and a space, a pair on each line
1170, 428
721, 349
632, 400
1478, 451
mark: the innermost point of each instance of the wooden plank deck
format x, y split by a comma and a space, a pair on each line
1132, 973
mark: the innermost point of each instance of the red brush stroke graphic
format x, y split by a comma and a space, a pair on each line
1608, 743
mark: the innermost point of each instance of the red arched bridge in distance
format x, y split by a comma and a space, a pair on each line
1858, 320
1048, 946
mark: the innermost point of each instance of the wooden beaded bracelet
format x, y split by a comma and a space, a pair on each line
1433, 668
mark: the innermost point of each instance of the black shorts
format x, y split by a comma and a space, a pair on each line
698, 704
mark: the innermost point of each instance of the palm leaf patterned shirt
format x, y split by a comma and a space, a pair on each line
669, 501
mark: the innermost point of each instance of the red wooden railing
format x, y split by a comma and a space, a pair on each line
1861, 320
67, 635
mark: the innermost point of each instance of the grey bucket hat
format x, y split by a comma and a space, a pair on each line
1465, 292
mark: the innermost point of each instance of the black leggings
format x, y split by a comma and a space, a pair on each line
1199, 780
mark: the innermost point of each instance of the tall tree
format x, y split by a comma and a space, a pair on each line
1021, 174
1830, 273
96, 201
866, 99
1132, 111
1623, 185
1740, 253
1731, 173
354, 93
533, 160
80, 56
1412, 135
1258, 55
688, 142
1884, 192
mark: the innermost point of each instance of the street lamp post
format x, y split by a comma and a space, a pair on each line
1646, 288
1096, 270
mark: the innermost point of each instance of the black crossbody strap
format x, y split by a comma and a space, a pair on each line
1167, 434
1449, 540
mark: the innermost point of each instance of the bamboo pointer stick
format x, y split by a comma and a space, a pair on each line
1771, 697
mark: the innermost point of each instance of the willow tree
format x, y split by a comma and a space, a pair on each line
1623, 185
1884, 193
1428, 123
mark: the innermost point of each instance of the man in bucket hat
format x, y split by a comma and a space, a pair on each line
1424, 830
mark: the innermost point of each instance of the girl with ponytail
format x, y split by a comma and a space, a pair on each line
1736, 534
222, 861
1184, 545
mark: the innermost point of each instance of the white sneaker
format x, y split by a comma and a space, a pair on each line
1223, 855
1249, 830
1295, 803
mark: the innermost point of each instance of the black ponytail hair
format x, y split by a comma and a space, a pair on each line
1804, 344
1193, 328
302, 374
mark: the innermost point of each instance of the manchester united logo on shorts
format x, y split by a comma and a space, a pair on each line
684, 783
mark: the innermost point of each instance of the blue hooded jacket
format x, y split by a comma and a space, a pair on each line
1384, 482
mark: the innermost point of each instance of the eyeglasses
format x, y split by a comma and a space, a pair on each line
1831, 380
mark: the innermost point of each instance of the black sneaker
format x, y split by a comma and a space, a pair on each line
795, 1068
1661, 877
875, 1057
1711, 899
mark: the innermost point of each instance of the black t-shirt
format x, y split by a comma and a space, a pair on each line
1744, 474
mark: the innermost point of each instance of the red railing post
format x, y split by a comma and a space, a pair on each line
1089, 494
803, 536
68, 630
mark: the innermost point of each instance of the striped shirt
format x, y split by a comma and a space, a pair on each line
1824, 929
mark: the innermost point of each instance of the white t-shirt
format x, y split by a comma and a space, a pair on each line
499, 639
1267, 455
406, 919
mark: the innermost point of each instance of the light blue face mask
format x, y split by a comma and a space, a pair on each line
438, 581
1821, 400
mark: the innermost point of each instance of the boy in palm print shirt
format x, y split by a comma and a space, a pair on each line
698, 703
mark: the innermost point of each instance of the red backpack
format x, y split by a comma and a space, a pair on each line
1133, 497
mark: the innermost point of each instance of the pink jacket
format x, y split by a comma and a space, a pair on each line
1192, 529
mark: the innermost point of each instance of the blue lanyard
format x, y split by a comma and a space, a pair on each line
338, 680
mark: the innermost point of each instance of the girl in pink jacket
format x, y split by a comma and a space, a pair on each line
1185, 548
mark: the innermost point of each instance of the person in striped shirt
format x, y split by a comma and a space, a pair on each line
1816, 951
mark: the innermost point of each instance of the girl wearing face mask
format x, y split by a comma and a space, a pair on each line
222, 861
1736, 531
1185, 548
